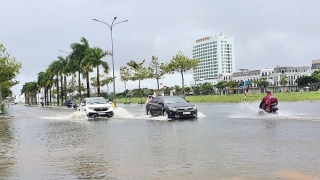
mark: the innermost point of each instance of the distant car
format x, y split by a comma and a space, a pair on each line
96, 107
172, 107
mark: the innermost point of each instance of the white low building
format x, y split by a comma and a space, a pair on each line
272, 75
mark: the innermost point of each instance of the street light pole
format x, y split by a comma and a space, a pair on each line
111, 28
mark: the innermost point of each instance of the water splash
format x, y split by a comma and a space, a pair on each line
74, 116
251, 111
201, 115
120, 113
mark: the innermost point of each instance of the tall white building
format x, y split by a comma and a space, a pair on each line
216, 55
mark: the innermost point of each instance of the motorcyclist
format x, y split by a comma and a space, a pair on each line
74, 104
111, 102
268, 100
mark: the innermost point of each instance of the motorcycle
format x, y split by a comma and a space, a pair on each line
274, 108
72, 103
75, 105
111, 102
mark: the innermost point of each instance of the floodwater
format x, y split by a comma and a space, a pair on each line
226, 141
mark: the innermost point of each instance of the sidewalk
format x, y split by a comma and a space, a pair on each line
4, 115
49, 106
57, 107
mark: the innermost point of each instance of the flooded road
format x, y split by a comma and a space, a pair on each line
227, 141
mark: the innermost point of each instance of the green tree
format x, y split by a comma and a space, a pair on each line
45, 81
283, 81
139, 73
79, 52
304, 81
56, 69
206, 88
181, 63
106, 81
125, 76
196, 89
42, 81
65, 70
220, 85
262, 83
6, 90
94, 58
177, 89
187, 90
9, 69
158, 70
232, 85
30, 89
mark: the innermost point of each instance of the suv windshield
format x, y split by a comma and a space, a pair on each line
174, 100
96, 101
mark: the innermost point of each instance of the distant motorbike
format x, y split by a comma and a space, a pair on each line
72, 103
75, 105
111, 102
274, 108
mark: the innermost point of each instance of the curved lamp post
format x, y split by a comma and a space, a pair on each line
111, 27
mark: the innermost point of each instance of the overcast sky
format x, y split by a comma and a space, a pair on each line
267, 33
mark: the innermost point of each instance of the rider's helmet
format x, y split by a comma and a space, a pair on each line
268, 91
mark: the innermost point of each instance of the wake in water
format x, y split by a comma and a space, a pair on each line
119, 113
75, 116
251, 111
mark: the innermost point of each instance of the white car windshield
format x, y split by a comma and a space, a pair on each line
174, 100
96, 101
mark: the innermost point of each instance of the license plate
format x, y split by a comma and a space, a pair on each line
101, 113
186, 112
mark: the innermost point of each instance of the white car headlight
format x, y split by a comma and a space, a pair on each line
172, 108
194, 107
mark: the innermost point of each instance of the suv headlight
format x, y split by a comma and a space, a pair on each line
172, 108
194, 107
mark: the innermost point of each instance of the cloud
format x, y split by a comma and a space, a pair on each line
266, 32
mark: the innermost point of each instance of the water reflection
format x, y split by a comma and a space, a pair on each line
7, 148
67, 144
228, 141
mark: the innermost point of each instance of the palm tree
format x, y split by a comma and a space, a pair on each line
48, 86
94, 59
55, 69
77, 55
41, 81
63, 63
86, 73
30, 89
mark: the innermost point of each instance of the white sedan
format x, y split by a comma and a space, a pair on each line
96, 107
